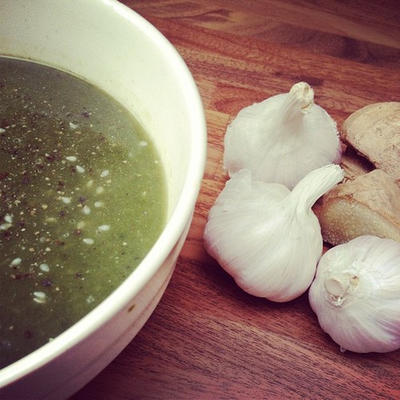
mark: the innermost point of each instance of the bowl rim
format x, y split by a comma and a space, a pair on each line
182, 213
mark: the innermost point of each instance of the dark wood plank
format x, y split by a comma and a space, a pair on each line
363, 31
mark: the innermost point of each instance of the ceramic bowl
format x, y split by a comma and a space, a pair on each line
117, 50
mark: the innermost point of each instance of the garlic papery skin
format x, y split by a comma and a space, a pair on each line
267, 237
282, 138
356, 294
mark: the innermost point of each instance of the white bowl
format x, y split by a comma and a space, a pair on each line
113, 47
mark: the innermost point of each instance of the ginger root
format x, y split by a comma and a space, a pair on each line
354, 165
374, 131
369, 204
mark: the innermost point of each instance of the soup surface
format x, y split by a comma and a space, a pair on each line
82, 200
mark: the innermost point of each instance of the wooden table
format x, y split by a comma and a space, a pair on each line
207, 339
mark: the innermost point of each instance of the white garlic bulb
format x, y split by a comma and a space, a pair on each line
282, 138
356, 294
267, 237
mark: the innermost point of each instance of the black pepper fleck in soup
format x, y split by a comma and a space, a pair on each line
82, 200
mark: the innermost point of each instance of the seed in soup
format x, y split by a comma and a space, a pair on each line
82, 200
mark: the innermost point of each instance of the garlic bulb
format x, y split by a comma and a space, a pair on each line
282, 138
356, 294
267, 237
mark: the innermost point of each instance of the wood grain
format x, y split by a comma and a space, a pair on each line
364, 31
207, 339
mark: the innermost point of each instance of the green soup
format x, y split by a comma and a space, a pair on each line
82, 200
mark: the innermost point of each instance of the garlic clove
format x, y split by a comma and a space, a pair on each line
282, 138
266, 237
356, 294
